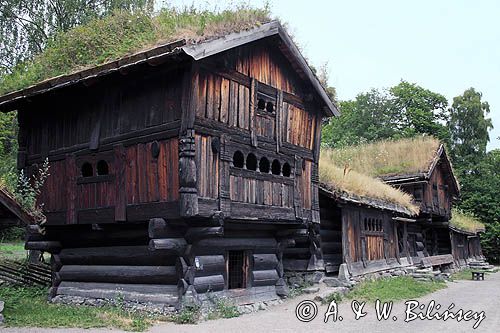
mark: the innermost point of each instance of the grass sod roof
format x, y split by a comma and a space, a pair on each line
124, 33
362, 188
465, 222
410, 156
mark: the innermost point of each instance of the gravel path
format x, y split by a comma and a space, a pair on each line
467, 295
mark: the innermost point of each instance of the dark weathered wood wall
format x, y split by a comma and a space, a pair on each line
229, 120
119, 120
433, 195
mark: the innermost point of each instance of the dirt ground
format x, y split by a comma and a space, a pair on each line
467, 295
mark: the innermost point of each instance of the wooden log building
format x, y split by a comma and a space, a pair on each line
365, 233
178, 170
193, 167
434, 189
362, 224
419, 167
465, 233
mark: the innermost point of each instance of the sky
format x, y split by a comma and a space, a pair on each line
446, 46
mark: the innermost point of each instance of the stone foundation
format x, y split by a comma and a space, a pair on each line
148, 308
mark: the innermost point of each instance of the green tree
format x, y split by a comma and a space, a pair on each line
419, 111
469, 126
8, 149
26, 26
366, 118
479, 195
404, 110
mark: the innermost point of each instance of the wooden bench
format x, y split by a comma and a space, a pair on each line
477, 275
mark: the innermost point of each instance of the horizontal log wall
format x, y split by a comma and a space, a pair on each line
110, 262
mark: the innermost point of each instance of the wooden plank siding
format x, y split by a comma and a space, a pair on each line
152, 179
223, 100
255, 98
113, 118
261, 192
103, 112
207, 167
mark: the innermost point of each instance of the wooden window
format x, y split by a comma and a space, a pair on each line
265, 103
261, 104
251, 162
87, 170
264, 165
238, 159
270, 107
276, 167
373, 225
237, 269
102, 168
287, 170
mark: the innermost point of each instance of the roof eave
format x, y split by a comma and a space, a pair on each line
10, 101
373, 203
236, 39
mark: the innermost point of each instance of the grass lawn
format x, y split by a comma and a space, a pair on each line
28, 307
393, 289
13, 250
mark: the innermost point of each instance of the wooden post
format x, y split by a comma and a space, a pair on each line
278, 130
187, 166
345, 240
120, 184
71, 171
253, 100
225, 161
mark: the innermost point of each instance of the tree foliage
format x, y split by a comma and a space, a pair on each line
479, 195
469, 126
26, 26
417, 110
404, 110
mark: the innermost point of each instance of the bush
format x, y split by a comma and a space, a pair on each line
337, 297
189, 314
223, 309
12, 234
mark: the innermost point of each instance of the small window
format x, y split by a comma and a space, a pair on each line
417, 193
102, 168
251, 162
87, 170
287, 170
237, 269
238, 159
276, 167
261, 104
264, 166
270, 107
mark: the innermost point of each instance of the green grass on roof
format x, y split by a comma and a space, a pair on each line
123, 33
465, 222
350, 182
387, 157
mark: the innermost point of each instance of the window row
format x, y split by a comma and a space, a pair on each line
372, 224
102, 169
263, 165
